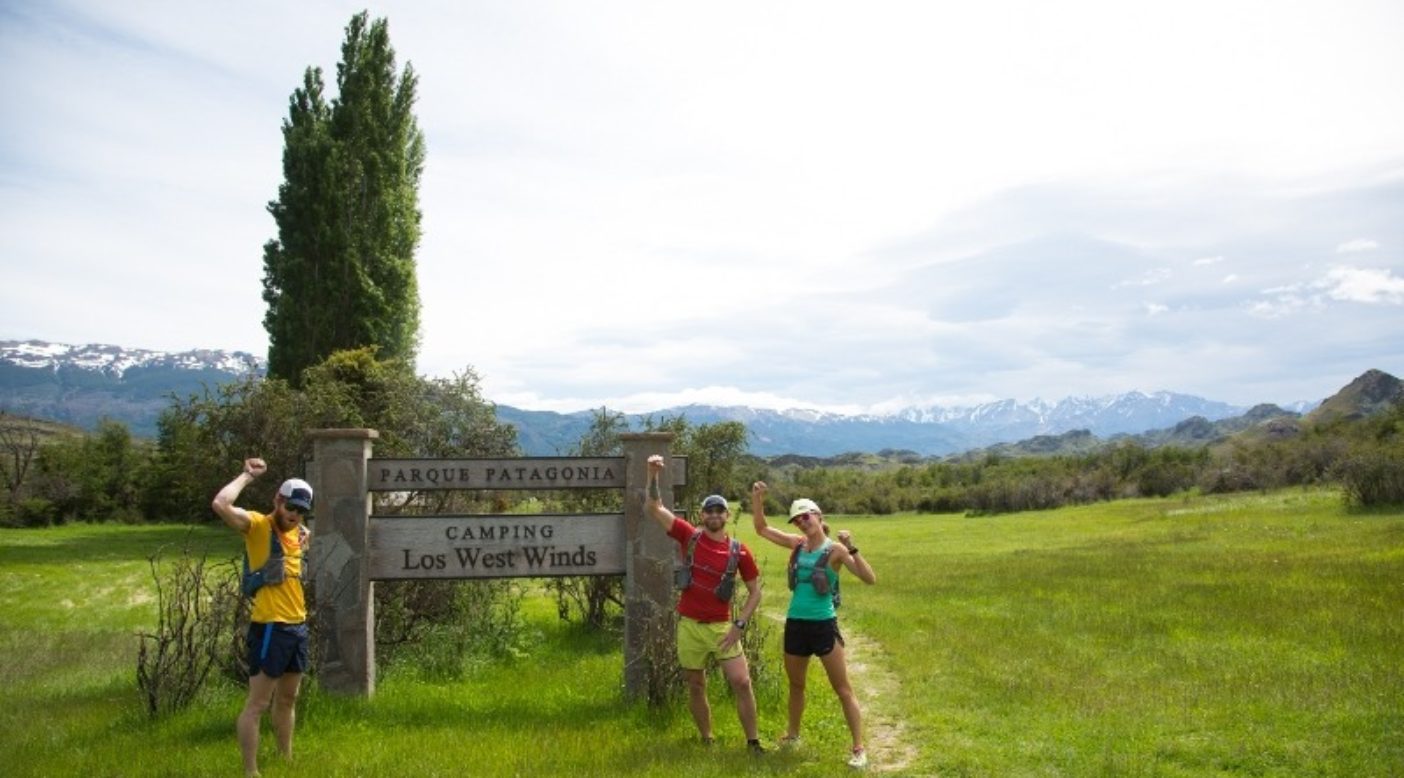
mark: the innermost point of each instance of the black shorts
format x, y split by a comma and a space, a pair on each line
275, 649
811, 638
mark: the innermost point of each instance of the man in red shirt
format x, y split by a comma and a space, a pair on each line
705, 626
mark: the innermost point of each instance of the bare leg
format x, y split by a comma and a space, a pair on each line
738, 674
697, 702
260, 695
795, 669
837, 668
285, 711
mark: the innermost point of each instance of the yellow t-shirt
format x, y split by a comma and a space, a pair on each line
281, 601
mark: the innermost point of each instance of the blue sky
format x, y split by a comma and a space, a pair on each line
842, 206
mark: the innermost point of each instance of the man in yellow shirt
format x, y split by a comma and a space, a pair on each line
277, 639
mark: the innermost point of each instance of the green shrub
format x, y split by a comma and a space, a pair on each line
35, 512
1373, 476
463, 622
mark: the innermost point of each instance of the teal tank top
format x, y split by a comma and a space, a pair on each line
805, 603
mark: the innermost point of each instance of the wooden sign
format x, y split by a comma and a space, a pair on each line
404, 475
510, 546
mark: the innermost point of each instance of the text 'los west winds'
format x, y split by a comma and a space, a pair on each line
531, 559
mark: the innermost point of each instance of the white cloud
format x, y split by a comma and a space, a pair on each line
1359, 244
1363, 285
635, 200
1151, 277
1283, 305
1340, 284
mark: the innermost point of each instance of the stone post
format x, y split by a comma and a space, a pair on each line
648, 559
344, 621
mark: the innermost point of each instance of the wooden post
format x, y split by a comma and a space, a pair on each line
648, 558
345, 595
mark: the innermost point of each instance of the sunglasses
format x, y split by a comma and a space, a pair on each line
714, 509
299, 510
801, 517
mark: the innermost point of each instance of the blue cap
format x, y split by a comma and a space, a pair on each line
715, 501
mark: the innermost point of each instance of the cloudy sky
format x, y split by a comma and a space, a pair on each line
848, 206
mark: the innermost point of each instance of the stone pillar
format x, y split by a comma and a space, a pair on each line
648, 559
344, 619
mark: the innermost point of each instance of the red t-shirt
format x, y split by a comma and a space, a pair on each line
708, 565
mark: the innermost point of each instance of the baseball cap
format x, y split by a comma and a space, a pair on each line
803, 505
714, 501
296, 493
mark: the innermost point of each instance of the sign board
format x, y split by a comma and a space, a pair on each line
404, 475
355, 548
485, 546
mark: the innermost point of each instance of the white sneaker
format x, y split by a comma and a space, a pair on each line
859, 759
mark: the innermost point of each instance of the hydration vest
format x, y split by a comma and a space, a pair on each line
682, 571
274, 570
818, 577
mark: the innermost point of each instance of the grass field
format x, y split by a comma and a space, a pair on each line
1248, 635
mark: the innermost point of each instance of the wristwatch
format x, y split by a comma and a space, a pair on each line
740, 624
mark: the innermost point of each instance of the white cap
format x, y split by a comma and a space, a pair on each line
297, 493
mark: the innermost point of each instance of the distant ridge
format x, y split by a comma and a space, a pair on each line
1367, 395
1372, 392
80, 385
115, 361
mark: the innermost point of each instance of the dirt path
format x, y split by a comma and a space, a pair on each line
890, 749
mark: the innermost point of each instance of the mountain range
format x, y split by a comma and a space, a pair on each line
82, 384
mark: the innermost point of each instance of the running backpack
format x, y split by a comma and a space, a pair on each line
273, 571
818, 577
682, 570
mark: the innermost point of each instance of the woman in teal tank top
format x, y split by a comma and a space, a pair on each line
811, 622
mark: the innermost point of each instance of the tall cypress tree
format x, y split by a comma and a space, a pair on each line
341, 273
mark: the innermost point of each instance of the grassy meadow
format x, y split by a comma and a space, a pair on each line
1244, 635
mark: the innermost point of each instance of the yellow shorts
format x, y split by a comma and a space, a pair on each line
697, 641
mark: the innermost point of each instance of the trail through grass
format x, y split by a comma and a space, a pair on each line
1250, 635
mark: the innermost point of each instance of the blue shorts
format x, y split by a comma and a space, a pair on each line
275, 649
804, 637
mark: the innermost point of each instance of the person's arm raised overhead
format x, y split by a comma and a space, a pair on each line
223, 504
758, 490
653, 501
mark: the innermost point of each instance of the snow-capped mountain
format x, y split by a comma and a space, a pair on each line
949, 429
115, 361
82, 384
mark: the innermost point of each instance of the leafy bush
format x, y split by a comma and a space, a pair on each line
1373, 476
35, 512
203, 438
95, 477
440, 627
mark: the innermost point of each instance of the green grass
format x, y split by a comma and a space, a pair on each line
1249, 635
